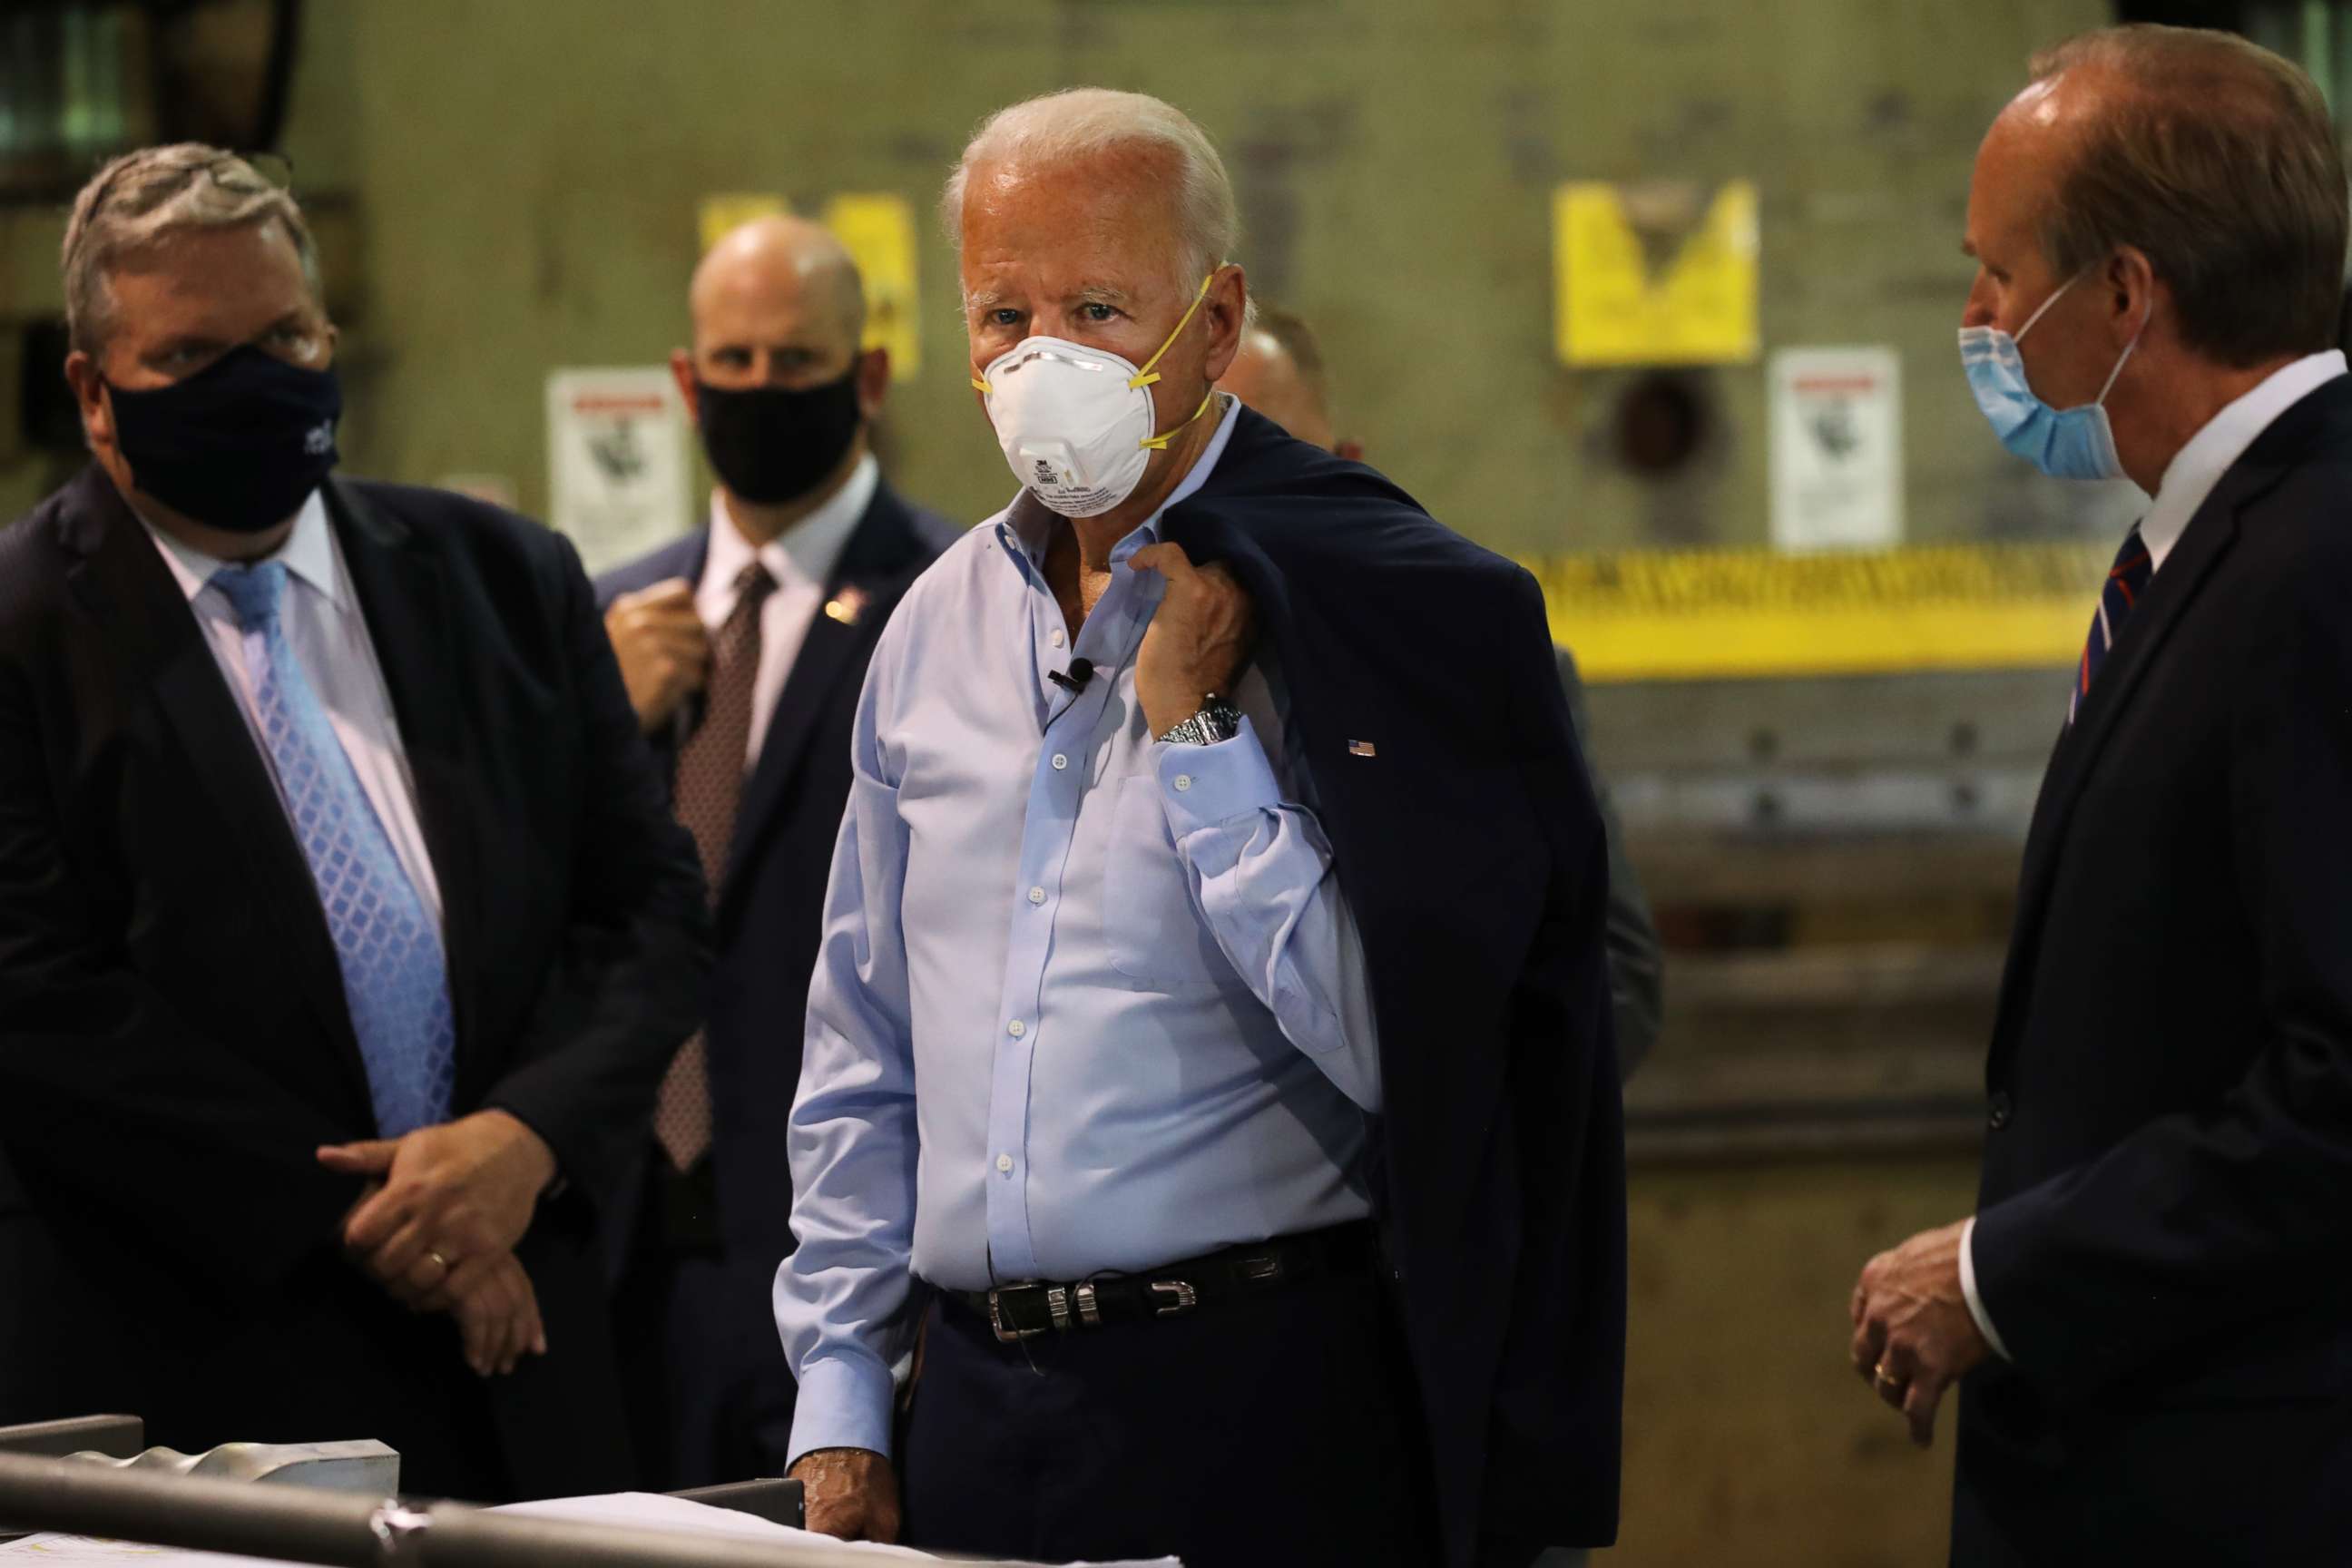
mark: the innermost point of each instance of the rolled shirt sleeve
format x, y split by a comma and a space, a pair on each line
1262, 872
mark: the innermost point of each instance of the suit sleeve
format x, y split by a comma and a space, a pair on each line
1637, 969
115, 1109
627, 989
2205, 1222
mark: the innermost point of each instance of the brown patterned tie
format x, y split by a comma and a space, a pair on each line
707, 789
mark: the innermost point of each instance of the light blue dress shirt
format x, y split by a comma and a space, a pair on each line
1086, 1003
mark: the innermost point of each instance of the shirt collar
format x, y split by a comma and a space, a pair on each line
2198, 467
808, 551
308, 553
1027, 524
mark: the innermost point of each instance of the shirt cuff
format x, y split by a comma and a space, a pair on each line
843, 1405
1969, 1288
1203, 785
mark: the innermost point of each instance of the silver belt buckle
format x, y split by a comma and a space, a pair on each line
1181, 1298
1005, 1333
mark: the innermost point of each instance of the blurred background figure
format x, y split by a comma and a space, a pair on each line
342, 935
743, 646
1280, 373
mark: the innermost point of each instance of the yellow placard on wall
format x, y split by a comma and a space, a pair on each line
879, 229
722, 215
1729, 613
1613, 309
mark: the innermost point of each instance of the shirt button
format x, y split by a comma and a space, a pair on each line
1017, 1028
1004, 1163
1060, 762
1183, 780
1037, 895
1055, 638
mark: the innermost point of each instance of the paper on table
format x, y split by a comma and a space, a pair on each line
641, 1509
53, 1550
652, 1511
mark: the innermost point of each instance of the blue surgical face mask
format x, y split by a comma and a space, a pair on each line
2066, 444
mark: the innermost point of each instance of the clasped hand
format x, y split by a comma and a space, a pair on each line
437, 1224
1197, 640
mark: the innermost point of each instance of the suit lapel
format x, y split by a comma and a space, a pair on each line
2170, 593
404, 595
124, 584
857, 601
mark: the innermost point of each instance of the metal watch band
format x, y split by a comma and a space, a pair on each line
1218, 719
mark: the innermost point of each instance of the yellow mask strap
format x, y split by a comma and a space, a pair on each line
1145, 376
980, 386
1160, 443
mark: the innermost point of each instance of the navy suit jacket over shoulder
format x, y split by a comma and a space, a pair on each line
1464, 831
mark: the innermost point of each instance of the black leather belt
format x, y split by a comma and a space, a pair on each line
1025, 1308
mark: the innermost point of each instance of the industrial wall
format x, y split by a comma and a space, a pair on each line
525, 179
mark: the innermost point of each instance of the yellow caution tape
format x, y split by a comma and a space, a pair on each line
1709, 614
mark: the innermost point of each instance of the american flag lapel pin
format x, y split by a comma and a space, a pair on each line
1362, 749
848, 606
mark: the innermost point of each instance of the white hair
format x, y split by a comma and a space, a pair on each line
1083, 123
141, 196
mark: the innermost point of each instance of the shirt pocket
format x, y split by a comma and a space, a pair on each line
1152, 925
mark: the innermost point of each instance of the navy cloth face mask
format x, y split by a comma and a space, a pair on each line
239, 445
2066, 444
773, 444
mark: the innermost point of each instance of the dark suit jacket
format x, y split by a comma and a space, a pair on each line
173, 1039
1472, 856
2164, 1236
771, 900
1637, 966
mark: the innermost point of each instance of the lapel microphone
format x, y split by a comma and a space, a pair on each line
1081, 671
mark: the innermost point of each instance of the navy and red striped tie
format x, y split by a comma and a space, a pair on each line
2127, 582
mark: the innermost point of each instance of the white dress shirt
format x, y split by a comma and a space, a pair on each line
801, 562
2188, 480
330, 639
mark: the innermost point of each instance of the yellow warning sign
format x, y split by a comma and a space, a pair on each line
1715, 615
1688, 296
722, 215
878, 227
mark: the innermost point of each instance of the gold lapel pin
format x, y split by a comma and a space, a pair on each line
846, 606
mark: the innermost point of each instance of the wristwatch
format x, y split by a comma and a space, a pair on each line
1218, 719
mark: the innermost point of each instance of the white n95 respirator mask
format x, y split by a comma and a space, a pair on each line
1077, 423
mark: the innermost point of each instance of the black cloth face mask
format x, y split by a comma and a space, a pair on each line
774, 444
236, 447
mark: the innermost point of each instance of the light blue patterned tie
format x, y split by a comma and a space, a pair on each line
396, 980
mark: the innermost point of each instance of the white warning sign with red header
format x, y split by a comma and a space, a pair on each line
1837, 448
620, 468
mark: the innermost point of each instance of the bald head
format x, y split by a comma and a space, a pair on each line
1282, 377
778, 300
